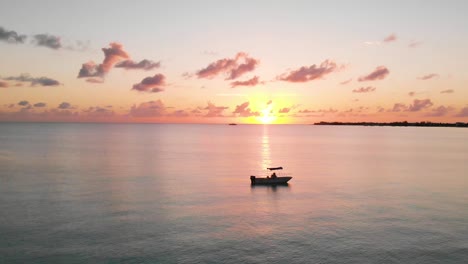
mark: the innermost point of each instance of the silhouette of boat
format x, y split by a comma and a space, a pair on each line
273, 179
233, 124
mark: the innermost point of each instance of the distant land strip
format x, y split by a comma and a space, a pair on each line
397, 124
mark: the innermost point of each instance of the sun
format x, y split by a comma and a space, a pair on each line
266, 117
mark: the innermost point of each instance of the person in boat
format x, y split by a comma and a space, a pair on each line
273, 176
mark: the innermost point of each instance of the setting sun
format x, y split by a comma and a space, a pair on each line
267, 116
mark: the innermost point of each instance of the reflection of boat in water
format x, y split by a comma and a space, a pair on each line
270, 180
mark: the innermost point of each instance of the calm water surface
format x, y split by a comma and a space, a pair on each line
119, 193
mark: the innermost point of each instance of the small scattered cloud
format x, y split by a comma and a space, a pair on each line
232, 68
284, 110
367, 89
97, 111
23, 103
448, 91
309, 73
419, 105
269, 102
40, 105
65, 105
378, 74
399, 107
390, 38
214, 111
48, 41
3, 84
142, 65
463, 112
42, 81
441, 111
151, 84
346, 82
428, 76
415, 44
11, 36
148, 109
243, 110
251, 82
411, 93
112, 55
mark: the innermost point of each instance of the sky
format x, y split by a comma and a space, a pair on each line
273, 62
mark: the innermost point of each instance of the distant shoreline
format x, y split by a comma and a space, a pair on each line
394, 124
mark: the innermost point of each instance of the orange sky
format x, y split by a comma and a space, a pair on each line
213, 62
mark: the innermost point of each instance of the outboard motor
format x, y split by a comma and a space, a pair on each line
252, 179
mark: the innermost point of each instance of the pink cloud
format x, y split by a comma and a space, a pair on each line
346, 82
214, 111
463, 112
142, 65
411, 93
415, 44
151, 84
250, 82
447, 91
441, 111
367, 89
112, 55
4, 84
98, 112
284, 110
419, 105
148, 109
233, 68
378, 74
39, 105
428, 76
390, 38
244, 111
399, 107
313, 72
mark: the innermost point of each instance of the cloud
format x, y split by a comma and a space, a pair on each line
148, 109
95, 80
399, 107
23, 103
65, 105
367, 89
448, 91
440, 111
284, 110
98, 111
346, 82
428, 76
112, 55
11, 36
3, 84
463, 112
414, 44
244, 111
269, 102
378, 74
39, 105
233, 68
214, 111
142, 65
249, 82
411, 93
151, 84
419, 105
48, 41
42, 81
390, 38
313, 72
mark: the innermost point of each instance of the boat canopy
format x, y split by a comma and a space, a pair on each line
275, 168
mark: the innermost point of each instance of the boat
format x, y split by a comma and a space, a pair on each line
270, 180
232, 124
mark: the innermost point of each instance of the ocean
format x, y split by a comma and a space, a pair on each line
173, 193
